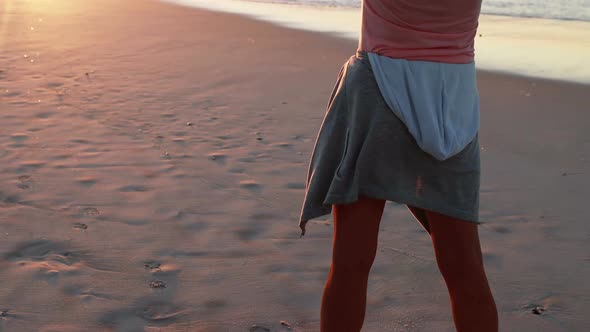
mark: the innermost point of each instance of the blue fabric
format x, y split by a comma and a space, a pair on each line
438, 102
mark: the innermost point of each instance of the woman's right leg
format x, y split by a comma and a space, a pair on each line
356, 228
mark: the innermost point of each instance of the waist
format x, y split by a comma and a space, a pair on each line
447, 39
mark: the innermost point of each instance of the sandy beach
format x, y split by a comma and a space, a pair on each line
152, 168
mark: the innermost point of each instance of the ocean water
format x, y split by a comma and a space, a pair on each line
555, 9
535, 38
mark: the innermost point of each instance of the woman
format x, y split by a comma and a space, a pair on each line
402, 125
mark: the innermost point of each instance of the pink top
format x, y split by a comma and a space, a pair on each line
428, 30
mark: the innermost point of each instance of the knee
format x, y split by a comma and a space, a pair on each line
459, 265
456, 247
354, 264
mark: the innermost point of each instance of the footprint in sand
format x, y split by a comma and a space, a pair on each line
31, 165
160, 311
282, 145
246, 234
247, 160
86, 181
62, 156
26, 182
178, 140
49, 259
19, 138
34, 250
160, 270
80, 141
217, 157
84, 293
550, 304
249, 232
54, 84
90, 211
80, 226
7, 315
251, 185
157, 284
9, 199
163, 277
145, 313
44, 115
152, 266
238, 170
134, 188
168, 115
10, 94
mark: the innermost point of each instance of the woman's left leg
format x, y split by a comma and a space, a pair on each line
459, 258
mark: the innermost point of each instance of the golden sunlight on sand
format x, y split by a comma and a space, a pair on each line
151, 179
38, 8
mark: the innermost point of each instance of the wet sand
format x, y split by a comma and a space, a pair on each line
152, 166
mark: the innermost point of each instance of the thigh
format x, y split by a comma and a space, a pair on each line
456, 243
356, 229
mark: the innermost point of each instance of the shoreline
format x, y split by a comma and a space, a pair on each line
153, 167
510, 44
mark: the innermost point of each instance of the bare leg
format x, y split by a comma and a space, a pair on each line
356, 228
459, 258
